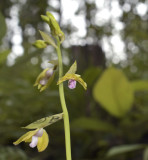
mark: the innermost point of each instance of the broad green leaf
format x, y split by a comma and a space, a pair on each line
123, 149
91, 124
145, 154
73, 68
3, 56
44, 122
140, 85
114, 92
47, 38
3, 27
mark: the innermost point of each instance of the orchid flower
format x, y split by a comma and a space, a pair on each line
72, 77
38, 137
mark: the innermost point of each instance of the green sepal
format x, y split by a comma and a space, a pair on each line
40, 76
73, 68
55, 28
75, 77
40, 44
26, 137
47, 39
48, 83
45, 18
44, 122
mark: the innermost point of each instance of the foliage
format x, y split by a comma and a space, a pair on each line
94, 130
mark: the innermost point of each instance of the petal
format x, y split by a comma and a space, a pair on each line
72, 84
25, 137
73, 77
34, 142
43, 81
39, 133
43, 142
49, 73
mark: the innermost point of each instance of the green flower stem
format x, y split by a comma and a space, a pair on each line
64, 108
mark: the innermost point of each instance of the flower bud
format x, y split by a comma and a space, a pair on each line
40, 44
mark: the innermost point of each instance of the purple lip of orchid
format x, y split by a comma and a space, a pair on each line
43, 81
34, 141
49, 73
72, 84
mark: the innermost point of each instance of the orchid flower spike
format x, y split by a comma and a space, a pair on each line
38, 137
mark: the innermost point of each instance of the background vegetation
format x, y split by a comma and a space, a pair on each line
109, 121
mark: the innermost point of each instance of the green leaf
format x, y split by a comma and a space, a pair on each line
72, 69
3, 27
91, 124
44, 122
114, 92
140, 85
47, 38
123, 149
3, 56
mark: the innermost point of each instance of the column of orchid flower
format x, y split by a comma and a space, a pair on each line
38, 136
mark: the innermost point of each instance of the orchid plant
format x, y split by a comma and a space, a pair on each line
38, 136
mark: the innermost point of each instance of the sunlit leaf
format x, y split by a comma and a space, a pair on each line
46, 121
114, 92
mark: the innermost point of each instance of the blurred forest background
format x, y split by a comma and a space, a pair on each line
109, 40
